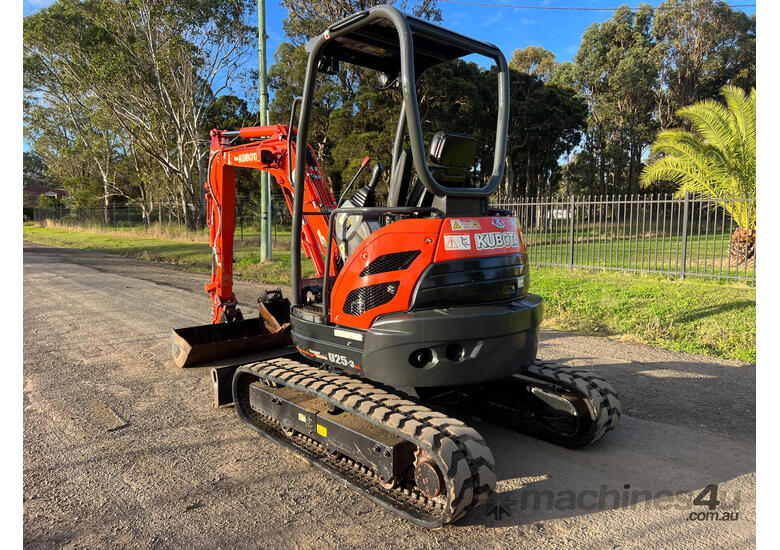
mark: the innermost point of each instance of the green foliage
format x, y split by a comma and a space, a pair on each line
718, 158
534, 60
636, 69
705, 45
47, 201
84, 191
227, 112
35, 170
122, 94
118, 89
309, 18
616, 71
546, 121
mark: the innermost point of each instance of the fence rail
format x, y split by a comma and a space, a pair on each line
248, 215
687, 237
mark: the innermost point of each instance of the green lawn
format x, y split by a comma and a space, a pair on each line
191, 254
705, 254
686, 315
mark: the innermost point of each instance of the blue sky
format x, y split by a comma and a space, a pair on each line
509, 28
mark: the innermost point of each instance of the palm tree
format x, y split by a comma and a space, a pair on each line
718, 158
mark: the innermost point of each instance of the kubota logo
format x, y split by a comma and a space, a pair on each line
499, 239
497, 222
245, 157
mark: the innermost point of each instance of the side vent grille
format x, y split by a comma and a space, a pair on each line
360, 300
395, 261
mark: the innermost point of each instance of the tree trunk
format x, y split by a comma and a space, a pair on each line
509, 180
743, 245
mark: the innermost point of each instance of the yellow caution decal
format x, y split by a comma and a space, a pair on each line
302, 417
322, 430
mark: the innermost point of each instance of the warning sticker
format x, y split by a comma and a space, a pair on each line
498, 239
302, 417
457, 242
464, 224
322, 430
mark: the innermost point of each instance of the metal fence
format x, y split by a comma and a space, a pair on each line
118, 217
688, 237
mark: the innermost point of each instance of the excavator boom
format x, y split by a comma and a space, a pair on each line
269, 150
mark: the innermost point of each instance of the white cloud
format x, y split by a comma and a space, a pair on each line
492, 20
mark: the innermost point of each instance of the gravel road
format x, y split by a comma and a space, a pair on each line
124, 450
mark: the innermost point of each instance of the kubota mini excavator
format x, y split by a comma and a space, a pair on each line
419, 315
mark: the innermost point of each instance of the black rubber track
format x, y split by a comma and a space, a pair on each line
459, 451
602, 399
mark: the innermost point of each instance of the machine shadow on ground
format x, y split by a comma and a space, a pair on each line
643, 462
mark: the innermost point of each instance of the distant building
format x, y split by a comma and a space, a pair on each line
32, 192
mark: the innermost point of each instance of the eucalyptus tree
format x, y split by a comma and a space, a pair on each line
616, 71
534, 60
153, 65
705, 45
307, 18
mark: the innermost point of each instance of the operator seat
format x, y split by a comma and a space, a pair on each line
452, 156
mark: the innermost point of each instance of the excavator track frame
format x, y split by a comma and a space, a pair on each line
459, 452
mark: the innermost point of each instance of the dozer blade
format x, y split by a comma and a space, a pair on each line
198, 345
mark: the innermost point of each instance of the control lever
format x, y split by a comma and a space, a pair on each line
354, 179
376, 173
365, 196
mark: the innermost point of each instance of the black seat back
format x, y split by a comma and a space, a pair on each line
453, 157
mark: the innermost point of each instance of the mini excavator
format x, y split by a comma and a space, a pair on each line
418, 317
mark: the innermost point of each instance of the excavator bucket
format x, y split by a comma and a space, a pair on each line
205, 344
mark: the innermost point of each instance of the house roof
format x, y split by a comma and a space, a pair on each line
37, 190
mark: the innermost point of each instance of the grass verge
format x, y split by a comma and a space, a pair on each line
703, 317
684, 315
184, 253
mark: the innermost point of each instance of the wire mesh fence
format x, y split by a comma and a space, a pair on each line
688, 237
168, 216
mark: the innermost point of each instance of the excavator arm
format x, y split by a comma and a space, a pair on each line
270, 150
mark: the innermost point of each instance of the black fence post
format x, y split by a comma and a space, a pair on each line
571, 232
241, 219
684, 235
